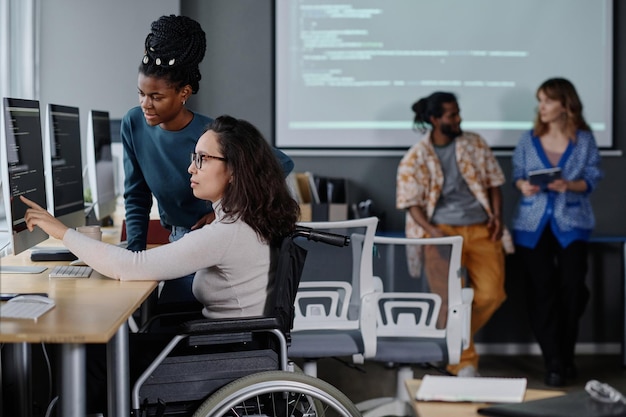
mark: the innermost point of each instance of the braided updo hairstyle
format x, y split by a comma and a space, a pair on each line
174, 49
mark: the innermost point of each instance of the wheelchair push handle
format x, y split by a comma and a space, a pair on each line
319, 236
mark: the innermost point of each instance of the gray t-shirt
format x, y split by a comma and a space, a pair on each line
457, 206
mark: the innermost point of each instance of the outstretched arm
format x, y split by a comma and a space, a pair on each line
37, 216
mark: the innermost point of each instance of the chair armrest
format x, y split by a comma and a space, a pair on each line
191, 324
174, 317
215, 326
458, 328
368, 324
467, 295
454, 332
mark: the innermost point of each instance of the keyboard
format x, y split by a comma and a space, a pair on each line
24, 309
70, 271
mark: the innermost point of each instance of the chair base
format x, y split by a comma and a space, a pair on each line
310, 368
391, 406
388, 406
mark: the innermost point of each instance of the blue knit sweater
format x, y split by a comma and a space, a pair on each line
569, 214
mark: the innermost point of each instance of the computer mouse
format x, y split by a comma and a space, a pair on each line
32, 298
78, 262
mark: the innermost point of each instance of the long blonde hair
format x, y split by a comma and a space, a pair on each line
563, 91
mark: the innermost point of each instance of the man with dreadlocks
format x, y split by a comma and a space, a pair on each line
159, 135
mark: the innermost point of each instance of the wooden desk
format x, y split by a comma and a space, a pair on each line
442, 409
88, 310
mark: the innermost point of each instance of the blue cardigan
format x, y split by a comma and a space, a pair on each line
569, 214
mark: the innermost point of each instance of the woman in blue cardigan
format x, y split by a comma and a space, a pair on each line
554, 220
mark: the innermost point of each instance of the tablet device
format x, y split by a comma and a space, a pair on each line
543, 177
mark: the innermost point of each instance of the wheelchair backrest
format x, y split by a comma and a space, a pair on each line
289, 266
288, 271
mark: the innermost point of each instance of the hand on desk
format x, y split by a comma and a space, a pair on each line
38, 216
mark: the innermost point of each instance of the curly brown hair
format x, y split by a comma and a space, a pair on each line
258, 193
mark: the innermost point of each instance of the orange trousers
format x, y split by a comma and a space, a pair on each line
483, 260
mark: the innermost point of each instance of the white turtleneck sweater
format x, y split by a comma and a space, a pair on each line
231, 264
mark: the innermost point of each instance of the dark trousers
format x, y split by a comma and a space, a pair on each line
556, 294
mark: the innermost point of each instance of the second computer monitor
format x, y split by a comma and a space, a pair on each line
64, 168
22, 169
100, 164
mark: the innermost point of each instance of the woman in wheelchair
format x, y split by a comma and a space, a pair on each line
233, 167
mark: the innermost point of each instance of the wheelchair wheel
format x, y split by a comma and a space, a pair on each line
278, 394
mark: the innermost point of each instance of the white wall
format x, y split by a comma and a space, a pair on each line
90, 52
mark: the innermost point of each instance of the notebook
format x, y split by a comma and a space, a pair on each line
544, 176
465, 389
575, 404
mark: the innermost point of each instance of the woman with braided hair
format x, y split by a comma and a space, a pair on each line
158, 137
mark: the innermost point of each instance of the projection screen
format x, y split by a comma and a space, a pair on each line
347, 72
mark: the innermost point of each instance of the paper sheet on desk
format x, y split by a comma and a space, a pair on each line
480, 389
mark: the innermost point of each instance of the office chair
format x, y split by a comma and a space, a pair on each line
423, 312
334, 309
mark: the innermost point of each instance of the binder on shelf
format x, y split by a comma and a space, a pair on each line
322, 198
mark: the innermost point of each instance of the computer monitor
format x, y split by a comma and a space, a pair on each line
100, 165
64, 167
22, 169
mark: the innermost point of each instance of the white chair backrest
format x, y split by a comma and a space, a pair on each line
407, 307
318, 303
367, 224
455, 243
332, 289
408, 315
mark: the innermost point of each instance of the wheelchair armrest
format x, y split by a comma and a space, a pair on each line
174, 318
228, 325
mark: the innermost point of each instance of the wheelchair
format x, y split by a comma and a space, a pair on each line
239, 367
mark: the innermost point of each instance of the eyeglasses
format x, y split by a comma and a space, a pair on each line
604, 392
197, 159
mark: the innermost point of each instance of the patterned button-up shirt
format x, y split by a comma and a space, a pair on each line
420, 177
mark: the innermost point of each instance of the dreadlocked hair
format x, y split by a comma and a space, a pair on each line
174, 49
